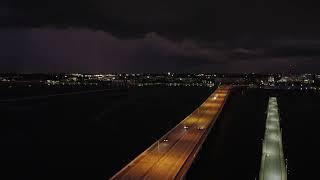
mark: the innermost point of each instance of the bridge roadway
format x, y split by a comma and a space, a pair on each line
172, 155
272, 160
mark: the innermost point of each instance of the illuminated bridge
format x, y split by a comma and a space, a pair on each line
172, 155
272, 160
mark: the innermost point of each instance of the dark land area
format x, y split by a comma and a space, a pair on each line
27, 89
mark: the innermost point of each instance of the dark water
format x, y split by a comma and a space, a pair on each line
233, 148
300, 125
93, 135
88, 136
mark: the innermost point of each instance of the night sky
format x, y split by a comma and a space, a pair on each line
155, 36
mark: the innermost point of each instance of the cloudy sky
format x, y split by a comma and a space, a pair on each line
155, 36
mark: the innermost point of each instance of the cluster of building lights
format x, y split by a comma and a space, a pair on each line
298, 82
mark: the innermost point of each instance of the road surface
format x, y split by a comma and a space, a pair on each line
172, 155
272, 160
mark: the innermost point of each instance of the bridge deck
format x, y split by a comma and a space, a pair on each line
272, 161
172, 155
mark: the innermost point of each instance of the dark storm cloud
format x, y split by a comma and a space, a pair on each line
278, 52
6, 12
295, 52
206, 20
74, 50
84, 50
144, 35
